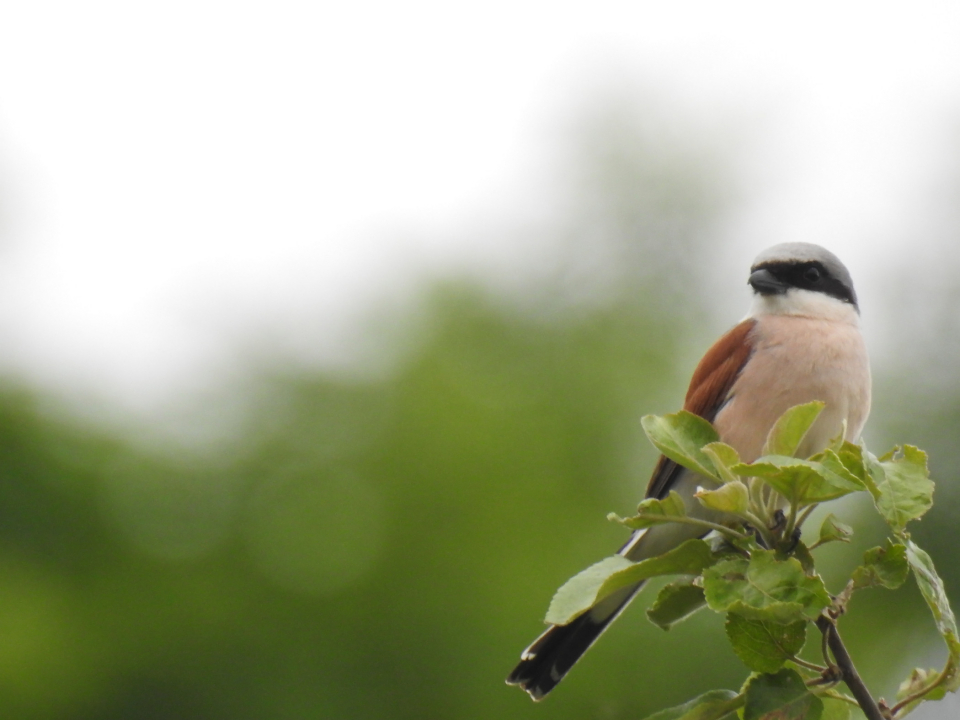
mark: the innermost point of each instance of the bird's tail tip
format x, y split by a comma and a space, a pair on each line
551, 656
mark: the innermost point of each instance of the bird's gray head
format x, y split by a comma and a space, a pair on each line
803, 266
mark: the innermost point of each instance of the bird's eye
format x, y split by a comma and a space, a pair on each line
811, 274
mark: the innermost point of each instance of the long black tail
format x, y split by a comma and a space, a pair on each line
550, 657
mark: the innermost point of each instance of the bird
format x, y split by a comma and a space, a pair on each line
800, 342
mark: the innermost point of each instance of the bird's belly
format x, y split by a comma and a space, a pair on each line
809, 360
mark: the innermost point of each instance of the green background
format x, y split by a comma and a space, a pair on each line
381, 542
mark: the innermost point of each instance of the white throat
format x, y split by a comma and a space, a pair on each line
805, 303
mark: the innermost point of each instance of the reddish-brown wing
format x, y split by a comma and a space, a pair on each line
716, 373
709, 387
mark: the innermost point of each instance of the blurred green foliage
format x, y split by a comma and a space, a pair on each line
363, 549
385, 547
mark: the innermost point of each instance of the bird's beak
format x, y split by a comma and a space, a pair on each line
766, 283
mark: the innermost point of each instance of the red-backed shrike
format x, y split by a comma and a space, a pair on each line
801, 342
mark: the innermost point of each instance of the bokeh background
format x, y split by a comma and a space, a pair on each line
326, 330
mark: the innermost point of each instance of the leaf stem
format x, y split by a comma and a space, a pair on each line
808, 665
758, 494
696, 521
791, 522
851, 678
840, 696
805, 515
761, 527
773, 502
814, 682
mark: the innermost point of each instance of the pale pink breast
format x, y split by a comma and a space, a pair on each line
797, 360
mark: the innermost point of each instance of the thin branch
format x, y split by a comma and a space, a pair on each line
824, 651
917, 695
850, 676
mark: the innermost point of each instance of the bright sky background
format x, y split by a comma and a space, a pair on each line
175, 174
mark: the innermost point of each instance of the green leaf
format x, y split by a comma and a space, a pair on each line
883, 567
732, 497
579, 593
917, 682
931, 587
672, 505
723, 458
762, 582
676, 602
654, 512
902, 488
780, 696
834, 709
832, 530
602, 579
837, 441
873, 475
714, 705
801, 482
788, 432
833, 462
802, 553
680, 437
775, 612
763, 645
852, 458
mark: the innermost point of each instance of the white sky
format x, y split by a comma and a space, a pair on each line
174, 173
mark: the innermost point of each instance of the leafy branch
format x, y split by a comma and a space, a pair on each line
847, 672
761, 576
